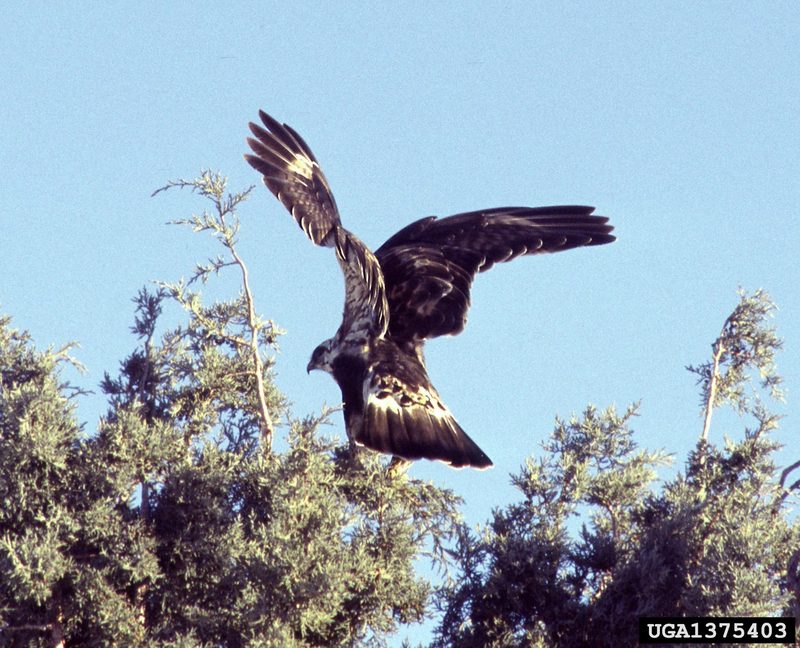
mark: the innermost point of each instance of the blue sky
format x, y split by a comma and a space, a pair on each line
678, 120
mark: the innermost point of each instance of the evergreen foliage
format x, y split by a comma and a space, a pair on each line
176, 522
715, 540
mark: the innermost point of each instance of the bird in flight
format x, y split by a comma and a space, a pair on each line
414, 287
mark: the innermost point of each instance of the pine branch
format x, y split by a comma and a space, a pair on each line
744, 346
213, 186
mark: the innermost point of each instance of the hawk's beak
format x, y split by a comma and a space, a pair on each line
310, 366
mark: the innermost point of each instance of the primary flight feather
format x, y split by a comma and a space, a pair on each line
415, 286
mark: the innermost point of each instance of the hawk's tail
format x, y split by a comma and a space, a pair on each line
417, 432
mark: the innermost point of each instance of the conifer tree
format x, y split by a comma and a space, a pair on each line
177, 523
594, 544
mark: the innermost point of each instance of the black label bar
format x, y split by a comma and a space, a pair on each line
716, 630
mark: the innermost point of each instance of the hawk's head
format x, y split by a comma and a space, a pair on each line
322, 357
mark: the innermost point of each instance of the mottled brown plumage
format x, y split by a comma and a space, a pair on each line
415, 286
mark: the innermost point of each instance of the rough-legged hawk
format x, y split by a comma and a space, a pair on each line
415, 286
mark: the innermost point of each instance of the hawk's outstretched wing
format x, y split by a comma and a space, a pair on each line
429, 265
292, 173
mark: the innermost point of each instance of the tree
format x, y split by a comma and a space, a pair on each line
177, 522
717, 539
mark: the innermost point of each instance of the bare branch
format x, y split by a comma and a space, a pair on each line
786, 471
254, 326
719, 349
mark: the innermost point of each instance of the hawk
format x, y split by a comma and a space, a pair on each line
414, 287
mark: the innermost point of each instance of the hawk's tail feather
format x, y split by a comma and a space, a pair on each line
416, 433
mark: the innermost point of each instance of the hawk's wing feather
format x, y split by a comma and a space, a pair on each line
292, 173
429, 265
365, 304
